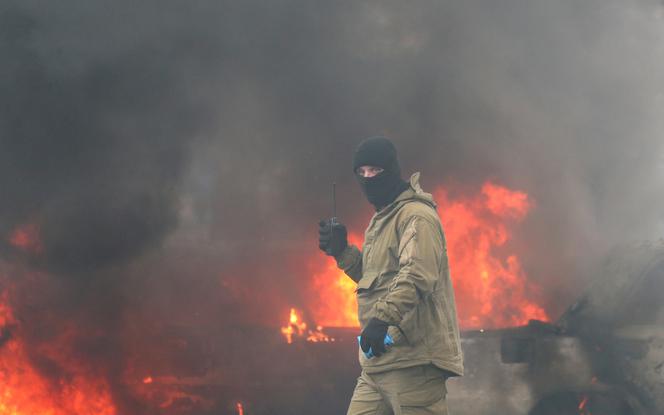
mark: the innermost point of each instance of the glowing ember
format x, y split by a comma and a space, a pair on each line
24, 391
27, 238
297, 328
491, 288
148, 380
583, 406
317, 336
240, 408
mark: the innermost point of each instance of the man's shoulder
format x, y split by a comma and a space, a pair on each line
417, 208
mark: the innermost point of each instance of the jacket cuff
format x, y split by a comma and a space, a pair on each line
348, 257
387, 313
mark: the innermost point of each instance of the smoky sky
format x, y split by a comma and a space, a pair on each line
173, 143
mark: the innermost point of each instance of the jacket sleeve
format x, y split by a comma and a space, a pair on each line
421, 252
350, 260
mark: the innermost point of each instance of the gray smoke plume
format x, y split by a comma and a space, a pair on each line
563, 101
118, 119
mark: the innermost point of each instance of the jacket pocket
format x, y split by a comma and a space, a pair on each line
366, 296
366, 282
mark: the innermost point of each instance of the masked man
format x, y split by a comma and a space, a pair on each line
403, 290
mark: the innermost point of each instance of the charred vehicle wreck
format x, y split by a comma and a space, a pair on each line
605, 355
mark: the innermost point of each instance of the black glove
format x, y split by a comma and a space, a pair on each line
373, 337
332, 238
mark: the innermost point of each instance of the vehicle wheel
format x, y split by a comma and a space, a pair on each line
576, 403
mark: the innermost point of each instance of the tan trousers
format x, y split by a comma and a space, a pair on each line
415, 390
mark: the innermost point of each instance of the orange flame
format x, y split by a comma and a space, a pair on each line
294, 327
24, 391
297, 328
491, 288
334, 292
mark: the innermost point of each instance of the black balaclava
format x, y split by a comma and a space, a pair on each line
382, 189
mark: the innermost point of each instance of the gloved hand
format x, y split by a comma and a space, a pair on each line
332, 239
373, 337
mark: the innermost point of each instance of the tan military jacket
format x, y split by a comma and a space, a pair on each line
403, 278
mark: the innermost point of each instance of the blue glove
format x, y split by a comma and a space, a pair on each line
388, 342
374, 338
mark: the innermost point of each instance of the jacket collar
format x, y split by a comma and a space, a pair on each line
414, 192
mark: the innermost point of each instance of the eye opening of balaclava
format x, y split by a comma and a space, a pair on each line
385, 187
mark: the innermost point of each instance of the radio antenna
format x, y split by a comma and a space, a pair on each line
334, 200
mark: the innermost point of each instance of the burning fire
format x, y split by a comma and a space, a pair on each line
297, 328
26, 391
294, 327
491, 288
335, 304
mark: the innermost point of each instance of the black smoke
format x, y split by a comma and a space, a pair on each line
116, 113
94, 136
